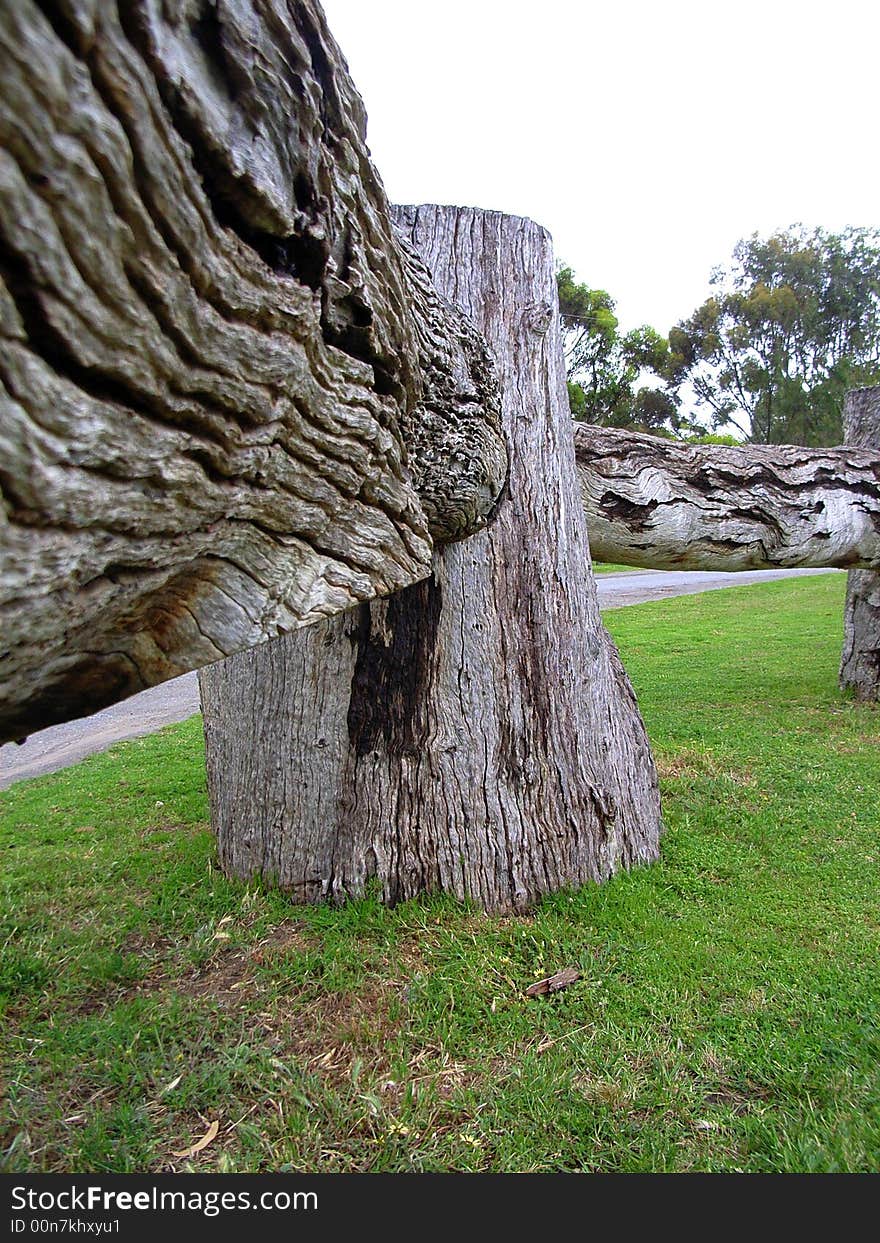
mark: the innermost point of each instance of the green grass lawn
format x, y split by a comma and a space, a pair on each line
726, 1019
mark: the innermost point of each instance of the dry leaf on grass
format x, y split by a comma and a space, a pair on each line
169, 1087
561, 979
210, 1134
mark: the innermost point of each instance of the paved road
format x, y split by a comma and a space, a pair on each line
639, 586
62, 745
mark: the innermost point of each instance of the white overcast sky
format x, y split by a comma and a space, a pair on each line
647, 137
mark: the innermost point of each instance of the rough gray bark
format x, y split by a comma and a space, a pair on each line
654, 503
860, 662
231, 401
475, 733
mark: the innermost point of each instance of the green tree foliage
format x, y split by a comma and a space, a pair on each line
605, 366
793, 321
713, 438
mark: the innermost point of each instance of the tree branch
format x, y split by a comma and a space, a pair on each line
654, 503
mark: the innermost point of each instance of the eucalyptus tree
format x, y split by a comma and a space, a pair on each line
793, 321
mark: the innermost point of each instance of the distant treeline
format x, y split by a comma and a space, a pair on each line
792, 322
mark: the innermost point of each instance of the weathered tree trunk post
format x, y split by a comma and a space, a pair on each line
860, 662
475, 733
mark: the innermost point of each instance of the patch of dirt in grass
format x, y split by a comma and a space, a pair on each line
146, 945
431, 1068
334, 1033
866, 745
361, 1036
736, 1101
223, 978
691, 765
230, 971
711, 1080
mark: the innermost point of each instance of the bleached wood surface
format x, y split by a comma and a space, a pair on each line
231, 402
656, 503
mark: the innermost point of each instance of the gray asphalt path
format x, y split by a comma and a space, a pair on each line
640, 586
62, 745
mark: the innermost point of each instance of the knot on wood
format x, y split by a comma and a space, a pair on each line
538, 318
